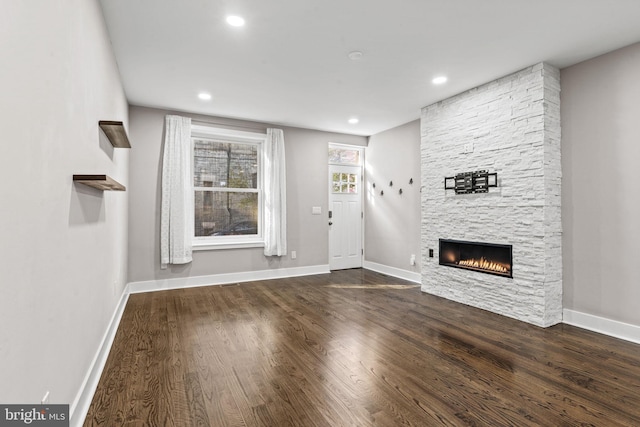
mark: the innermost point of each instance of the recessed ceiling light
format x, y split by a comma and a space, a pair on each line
439, 80
353, 120
204, 96
355, 55
235, 21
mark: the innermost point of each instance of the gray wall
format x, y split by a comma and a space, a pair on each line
63, 252
392, 225
601, 199
306, 154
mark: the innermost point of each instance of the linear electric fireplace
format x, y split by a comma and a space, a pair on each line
487, 258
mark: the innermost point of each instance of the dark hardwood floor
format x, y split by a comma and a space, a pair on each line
354, 348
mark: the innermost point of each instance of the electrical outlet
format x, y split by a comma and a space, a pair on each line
294, 255
45, 398
412, 260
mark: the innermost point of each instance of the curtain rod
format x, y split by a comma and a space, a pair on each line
205, 122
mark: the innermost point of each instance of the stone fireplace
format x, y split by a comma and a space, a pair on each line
510, 127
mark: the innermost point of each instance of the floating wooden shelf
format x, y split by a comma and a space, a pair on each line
101, 182
116, 133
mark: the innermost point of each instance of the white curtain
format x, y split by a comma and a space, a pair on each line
275, 195
176, 226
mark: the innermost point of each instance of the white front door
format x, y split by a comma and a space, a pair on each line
345, 221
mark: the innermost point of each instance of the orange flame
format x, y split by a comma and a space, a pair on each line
483, 264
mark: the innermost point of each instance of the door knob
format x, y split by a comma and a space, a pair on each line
330, 223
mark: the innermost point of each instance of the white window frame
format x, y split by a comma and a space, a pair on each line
203, 243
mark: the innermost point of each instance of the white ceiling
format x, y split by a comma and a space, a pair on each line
288, 65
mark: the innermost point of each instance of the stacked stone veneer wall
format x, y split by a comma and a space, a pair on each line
510, 126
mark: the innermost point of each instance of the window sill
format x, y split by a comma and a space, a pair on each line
208, 246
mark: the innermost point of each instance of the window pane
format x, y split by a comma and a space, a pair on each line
224, 164
222, 213
344, 156
344, 183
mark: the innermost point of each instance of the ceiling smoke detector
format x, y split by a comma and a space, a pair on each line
355, 55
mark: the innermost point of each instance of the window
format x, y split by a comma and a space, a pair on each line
339, 155
343, 155
227, 188
344, 183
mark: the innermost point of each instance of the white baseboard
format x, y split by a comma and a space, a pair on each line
411, 276
222, 279
80, 406
624, 331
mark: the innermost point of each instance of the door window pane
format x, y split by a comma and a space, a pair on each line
344, 183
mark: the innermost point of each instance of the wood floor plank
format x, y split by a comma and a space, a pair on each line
354, 348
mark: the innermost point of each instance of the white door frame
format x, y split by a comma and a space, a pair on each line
360, 166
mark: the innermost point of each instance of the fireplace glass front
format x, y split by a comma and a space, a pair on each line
487, 258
